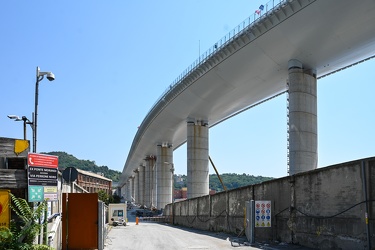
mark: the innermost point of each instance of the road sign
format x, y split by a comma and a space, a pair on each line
70, 174
36, 193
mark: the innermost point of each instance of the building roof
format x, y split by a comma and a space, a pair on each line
93, 174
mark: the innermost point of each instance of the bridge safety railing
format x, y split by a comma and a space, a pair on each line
263, 10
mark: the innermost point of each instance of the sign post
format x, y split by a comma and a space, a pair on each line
250, 221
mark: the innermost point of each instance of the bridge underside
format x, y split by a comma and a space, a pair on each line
324, 35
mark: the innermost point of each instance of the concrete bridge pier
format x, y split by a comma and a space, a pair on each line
128, 196
150, 160
303, 132
164, 175
147, 199
197, 159
136, 186
141, 184
154, 183
121, 191
132, 188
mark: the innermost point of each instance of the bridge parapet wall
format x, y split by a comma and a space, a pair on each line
323, 208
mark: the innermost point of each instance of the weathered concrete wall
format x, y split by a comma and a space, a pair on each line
323, 208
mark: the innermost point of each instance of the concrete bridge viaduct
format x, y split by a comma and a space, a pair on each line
287, 48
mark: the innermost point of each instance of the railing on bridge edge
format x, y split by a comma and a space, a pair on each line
233, 34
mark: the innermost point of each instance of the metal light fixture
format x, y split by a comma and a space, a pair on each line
25, 121
39, 77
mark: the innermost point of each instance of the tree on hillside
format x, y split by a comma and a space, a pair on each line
67, 160
231, 181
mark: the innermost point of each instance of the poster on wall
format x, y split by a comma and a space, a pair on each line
262, 213
4, 208
42, 177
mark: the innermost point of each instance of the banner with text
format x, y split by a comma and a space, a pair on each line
42, 177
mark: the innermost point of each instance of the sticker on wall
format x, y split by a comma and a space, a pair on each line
262, 213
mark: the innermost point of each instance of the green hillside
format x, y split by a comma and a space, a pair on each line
231, 181
67, 160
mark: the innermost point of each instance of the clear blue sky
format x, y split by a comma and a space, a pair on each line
112, 61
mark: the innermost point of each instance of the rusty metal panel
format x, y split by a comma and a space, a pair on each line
80, 221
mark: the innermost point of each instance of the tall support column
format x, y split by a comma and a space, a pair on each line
164, 177
136, 186
148, 180
154, 181
147, 200
197, 159
133, 189
141, 184
303, 132
122, 192
129, 190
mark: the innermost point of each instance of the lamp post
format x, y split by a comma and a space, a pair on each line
39, 77
172, 171
25, 121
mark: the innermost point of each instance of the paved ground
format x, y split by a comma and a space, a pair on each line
150, 235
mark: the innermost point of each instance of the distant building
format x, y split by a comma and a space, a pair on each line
181, 194
93, 183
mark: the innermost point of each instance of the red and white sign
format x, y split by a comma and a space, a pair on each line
41, 160
42, 177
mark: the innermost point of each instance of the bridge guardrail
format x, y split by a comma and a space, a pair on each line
248, 22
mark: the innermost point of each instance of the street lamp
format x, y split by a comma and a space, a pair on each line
39, 77
172, 171
25, 121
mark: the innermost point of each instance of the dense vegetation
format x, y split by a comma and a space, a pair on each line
231, 181
67, 160
24, 226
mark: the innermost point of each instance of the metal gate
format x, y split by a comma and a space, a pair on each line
80, 221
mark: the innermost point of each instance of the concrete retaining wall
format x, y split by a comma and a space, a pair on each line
324, 208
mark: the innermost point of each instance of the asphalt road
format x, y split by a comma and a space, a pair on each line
162, 236
149, 235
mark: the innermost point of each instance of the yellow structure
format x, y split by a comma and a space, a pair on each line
4, 208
